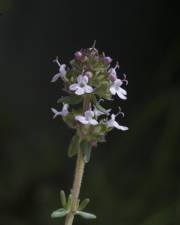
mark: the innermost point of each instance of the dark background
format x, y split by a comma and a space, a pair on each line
133, 179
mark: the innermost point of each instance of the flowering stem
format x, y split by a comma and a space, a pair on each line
80, 164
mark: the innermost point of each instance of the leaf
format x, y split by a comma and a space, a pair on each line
71, 99
83, 204
74, 146
59, 213
86, 150
86, 215
69, 202
63, 198
102, 109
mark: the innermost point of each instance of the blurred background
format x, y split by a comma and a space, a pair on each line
134, 178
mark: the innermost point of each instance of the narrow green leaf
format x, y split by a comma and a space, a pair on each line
83, 204
71, 99
69, 202
86, 215
74, 146
63, 198
86, 150
78, 201
59, 213
102, 109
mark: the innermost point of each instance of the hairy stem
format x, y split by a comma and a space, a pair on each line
79, 171
80, 164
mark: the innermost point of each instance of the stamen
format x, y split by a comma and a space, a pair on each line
125, 80
100, 100
56, 60
117, 65
94, 44
120, 112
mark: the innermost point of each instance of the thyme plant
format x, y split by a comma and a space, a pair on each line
88, 81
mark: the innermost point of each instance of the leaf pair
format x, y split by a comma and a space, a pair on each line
62, 212
83, 145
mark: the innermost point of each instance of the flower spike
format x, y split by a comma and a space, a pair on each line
88, 82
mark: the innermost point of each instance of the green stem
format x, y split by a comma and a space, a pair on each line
79, 171
80, 164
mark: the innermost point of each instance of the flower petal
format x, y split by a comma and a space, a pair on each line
89, 114
81, 119
110, 123
88, 89
79, 91
124, 92
65, 107
123, 128
73, 87
119, 93
112, 90
56, 77
93, 122
80, 79
54, 110
62, 69
118, 83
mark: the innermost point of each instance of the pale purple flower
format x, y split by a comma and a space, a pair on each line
116, 88
112, 123
62, 71
63, 112
112, 72
87, 118
81, 87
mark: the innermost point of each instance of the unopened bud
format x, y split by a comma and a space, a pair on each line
78, 55
89, 74
108, 60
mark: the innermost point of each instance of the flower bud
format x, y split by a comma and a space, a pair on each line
78, 55
112, 77
89, 74
108, 60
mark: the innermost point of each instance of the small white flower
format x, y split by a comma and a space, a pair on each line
112, 123
81, 86
116, 88
63, 112
62, 71
87, 118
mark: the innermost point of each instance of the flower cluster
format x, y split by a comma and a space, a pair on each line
89, 80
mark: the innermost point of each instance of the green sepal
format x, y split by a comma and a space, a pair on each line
74, 146
86, 150
63, 199
83, 204
86, 215
71, 99
59, 213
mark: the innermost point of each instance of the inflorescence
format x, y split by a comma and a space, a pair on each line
89, 80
